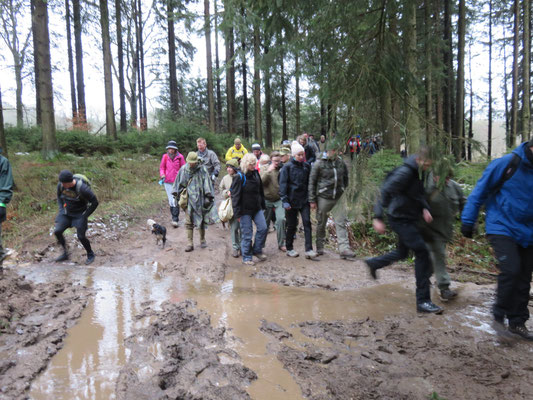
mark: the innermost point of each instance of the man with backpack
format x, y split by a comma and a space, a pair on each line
506, 190
76, 203
402, 194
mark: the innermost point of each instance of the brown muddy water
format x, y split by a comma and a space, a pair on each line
93, 354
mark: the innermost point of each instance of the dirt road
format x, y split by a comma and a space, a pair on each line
148, 323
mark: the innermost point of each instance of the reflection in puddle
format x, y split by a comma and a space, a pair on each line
93, 354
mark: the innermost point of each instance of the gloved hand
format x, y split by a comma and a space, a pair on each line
3, 214
286, 206
208, 202
467, 230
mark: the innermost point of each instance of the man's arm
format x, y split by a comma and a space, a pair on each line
313, 179
87, 194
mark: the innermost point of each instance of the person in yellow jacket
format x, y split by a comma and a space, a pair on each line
236, 151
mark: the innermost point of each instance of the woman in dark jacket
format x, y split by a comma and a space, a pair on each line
293, 190
248, 201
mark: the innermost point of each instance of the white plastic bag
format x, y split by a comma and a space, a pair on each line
225, 210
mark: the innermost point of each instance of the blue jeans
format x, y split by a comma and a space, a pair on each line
247, 232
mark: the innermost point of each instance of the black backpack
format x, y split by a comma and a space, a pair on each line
507, 173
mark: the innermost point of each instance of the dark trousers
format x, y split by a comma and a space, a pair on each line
409, 238
77, 221
291, 217
514, 281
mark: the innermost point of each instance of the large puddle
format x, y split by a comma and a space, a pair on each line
89, 363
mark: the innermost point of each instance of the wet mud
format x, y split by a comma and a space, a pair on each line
162, 323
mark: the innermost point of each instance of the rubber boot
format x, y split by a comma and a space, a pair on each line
203, 242
175, 212
190, 245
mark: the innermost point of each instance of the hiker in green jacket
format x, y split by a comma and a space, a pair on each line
445, 203
6, 192
327, 183
199, 210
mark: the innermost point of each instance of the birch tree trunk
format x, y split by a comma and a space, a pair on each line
111, 128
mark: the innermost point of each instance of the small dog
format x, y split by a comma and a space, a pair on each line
159, 231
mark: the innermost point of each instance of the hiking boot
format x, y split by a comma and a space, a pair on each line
292, 253
320, 252
447, 294
261, 257
371, 269
428, 307
189, 247
501, 330
248, 262
282, 248
346, 254
203, 244
62, 257
310, 254
90, 259
235, 253
521, 331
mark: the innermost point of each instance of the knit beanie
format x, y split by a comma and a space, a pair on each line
66, 176
296, 148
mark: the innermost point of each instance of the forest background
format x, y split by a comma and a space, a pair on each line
405, 71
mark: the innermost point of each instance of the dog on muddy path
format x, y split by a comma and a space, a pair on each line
159, 231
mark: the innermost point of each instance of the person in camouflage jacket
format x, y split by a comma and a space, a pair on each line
201, 197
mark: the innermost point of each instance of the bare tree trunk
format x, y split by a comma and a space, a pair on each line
429, 73
81, 116
38, 119
506, 90
516, 53
73, 101
471, 120
460, 92
284, 134
268, 100
412, 123
489, 131
526, 68
208, 59
173, 78
448, 71
132, 52
246, 129
144, 119
3, 142
40, 19
217, 67
230, 80
257, 85
120, 54
18, 90
111, 128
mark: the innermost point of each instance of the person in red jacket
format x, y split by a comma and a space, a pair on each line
171, 163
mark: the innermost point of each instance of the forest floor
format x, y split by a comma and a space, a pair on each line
145, 322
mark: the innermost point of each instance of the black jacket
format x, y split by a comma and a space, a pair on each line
402, 193
310, 155
71, 202
294, 182
247, 196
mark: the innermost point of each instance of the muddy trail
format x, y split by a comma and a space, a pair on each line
144, 322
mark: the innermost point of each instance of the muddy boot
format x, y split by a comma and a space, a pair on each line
62, 257
175, 212
90, 258
190, 246
203, 243
347, 255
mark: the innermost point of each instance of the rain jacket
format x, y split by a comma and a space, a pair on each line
445, 205
509, 210
201, 194
247, 196
294, 183
75, 203
210, 161
169, 167
402, 193
329, 179
270, 184
6, 180
234, 153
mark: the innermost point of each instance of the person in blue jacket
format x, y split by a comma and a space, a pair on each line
509, 228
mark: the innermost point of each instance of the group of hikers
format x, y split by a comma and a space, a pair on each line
418, 205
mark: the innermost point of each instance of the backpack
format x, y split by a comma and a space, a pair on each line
507, 173
243, 178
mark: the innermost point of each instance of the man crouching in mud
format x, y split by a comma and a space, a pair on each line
76, 203
402, 194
